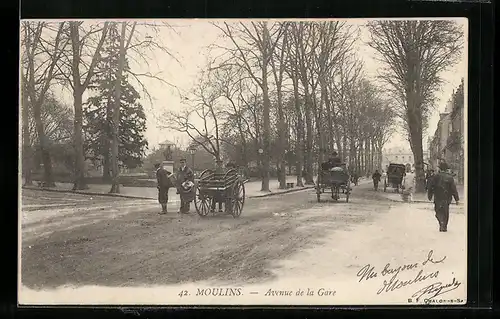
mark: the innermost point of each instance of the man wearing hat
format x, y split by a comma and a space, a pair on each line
164, 183
185, 186
335, 159
442, 187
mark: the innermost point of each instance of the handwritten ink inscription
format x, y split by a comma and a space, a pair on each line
436, 289
392, 282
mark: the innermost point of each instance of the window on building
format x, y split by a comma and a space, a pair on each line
409, 158
396, 157
403, 158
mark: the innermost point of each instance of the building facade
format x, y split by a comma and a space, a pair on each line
400, 155
447, 144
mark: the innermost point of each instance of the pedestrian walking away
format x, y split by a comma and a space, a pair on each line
442, 187
163, 185
428, 177
185, 186
376, 179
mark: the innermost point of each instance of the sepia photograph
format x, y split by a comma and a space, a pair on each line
243, 162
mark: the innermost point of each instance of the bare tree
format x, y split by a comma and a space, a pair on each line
253, 47
335, 40
78, 73
278, 68
40, 59
115, 186
415, 53
27, 159
202, 108
301, 36
57, 119
347, 73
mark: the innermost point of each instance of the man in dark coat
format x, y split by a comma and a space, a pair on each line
376, 179
184, 175
428, 178
335, 159
442, 187
163, 185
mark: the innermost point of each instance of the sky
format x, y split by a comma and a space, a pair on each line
188, 42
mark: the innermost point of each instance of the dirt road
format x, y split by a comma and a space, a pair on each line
118, 242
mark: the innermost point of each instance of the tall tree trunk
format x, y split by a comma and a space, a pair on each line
78, 89
281, 141
115, 186
108, 135
309, 143
418, 154
329, 117
266, 133
352, 155
79, 177
44, 147
106, 168
300, 130
27, 163
367, 155
344, 149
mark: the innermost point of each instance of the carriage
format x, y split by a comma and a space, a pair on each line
336, 179
227, 187
395, 177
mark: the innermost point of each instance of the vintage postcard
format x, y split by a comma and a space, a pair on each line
243, 162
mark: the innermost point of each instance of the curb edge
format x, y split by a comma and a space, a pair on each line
85, 193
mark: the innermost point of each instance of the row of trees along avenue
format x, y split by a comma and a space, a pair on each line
275, 94
298, 90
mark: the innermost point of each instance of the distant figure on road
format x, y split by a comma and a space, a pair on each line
442, 187
185, 186
428, 178
163, 185
376, 179
354, 177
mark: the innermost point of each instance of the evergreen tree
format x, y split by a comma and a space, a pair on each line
99, 109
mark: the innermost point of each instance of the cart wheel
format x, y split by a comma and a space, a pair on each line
201, 203
206, 173
238, 199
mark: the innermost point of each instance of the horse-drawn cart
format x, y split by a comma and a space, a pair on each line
228, 188
336, 179
395, 176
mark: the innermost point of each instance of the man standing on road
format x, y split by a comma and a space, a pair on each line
376, 179
428, 178
185, 186
443, 188
164, 183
